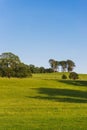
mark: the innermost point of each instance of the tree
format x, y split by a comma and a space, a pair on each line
22, 70
11, 66
32, 68
70, 65
9, 59
42, 70
64, 76
49, 70
63, 65
53, 64
73, 75
7, 72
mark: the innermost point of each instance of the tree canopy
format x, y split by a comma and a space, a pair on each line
67, 65
11, 66
53, 64
73, 75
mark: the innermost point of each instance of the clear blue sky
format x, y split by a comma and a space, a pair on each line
37, 30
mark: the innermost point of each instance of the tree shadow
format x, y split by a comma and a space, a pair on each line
74, 82
61, 95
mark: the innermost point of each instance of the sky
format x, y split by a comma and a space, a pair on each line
39, 30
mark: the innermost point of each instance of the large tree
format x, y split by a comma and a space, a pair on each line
22, 70
54, 64
70, 65
63, 65
11, 66
9, 59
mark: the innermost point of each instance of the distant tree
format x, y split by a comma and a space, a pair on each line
11, 66
70, 65
53, 64
73, 75
64, 76
22, 70
32, 68
49, 70
63, 65
0, 72
42, 70
7, 72
9, 59
35, 69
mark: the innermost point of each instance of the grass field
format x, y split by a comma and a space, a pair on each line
43, 102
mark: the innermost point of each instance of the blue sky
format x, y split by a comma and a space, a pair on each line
37, 30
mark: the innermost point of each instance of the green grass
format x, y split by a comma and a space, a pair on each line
43, 102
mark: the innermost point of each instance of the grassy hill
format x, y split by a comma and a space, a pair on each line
43, 102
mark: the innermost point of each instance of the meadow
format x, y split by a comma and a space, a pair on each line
43, 102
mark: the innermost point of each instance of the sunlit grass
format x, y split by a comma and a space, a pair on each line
43, 102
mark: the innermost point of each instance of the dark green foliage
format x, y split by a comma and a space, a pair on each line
35, 69
54, 64
8, 59
42, 70
70, 65
65, 65
49, 70
32, 68
73, 75
11, 66
7, 72
64, 76
22, 70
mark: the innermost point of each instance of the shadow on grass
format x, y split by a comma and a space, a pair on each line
74, 82
61, 95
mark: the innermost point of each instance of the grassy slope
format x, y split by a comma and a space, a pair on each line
43, 102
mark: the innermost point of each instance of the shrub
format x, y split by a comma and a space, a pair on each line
73, 75
64, 76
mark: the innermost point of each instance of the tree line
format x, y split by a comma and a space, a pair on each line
66, 66
11, 66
